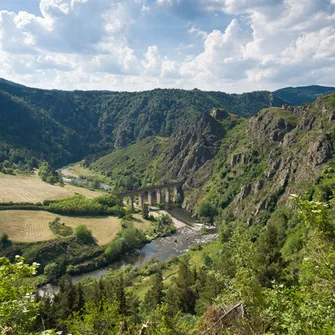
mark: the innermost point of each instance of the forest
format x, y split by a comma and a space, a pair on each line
278, 283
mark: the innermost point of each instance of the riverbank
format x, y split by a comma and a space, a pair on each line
161, 249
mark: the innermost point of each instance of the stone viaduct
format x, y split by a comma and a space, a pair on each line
151, 192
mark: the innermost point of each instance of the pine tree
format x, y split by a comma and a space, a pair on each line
155, 295
185, 292
269, 258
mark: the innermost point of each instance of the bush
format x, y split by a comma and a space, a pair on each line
128, 239
48, 174
59, 228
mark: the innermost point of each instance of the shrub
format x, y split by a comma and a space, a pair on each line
59, 228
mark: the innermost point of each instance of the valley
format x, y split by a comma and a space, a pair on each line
258, 175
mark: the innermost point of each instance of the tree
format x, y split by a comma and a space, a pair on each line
47, 173
269, 258
308, 308
207, 211
53, 271
102, 318
4, 241
185, 293
155, 295
84, 235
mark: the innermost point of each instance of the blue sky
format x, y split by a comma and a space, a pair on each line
226, 45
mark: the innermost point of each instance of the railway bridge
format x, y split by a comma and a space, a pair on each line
165, 193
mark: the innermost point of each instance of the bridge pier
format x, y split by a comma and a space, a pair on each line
158, 196
155, 194
175, 193
150, 198
140, 199
167, 196
131, 202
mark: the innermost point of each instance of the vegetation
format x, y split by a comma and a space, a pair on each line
145, 211
302, 95
84, 235
240, 285
17, 309
48, 174
59, 228
128, 239
271, 270
162, 226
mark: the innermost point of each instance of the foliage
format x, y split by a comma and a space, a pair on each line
128, 239
53, 271
48, 174
162, 226
80, 205
145, 211
17, 307
301, 95
207, 211
84, 235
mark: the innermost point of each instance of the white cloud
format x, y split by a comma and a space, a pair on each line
197, 31
88, 44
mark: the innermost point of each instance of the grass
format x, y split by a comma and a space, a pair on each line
33, 226
140, 223
33, 189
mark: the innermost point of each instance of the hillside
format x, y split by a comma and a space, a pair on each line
100, 121
28, 135
244, 167
266, 181
300, 95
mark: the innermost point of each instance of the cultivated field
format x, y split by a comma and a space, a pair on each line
33, 189
32, 226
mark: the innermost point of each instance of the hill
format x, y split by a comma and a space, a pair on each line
61, 127
246, 168
300, 95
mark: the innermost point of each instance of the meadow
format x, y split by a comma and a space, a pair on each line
33, 189
32, 226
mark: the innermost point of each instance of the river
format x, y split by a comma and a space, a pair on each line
160, 249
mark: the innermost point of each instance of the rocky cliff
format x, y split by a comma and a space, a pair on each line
276, 153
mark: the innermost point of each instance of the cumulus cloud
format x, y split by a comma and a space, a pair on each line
88, 43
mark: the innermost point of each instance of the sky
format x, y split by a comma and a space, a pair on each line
133, 45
